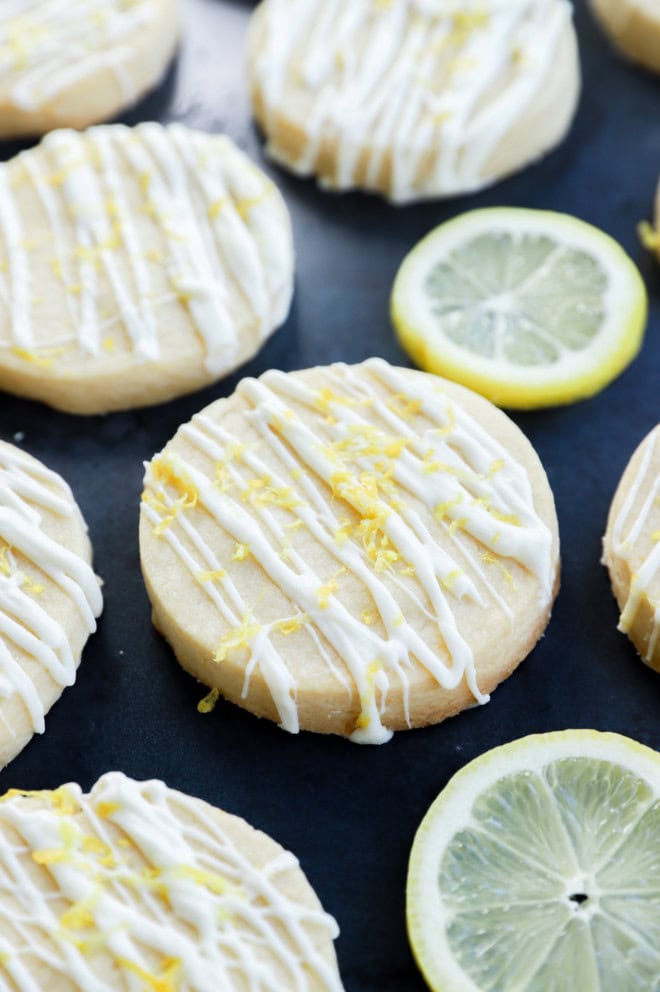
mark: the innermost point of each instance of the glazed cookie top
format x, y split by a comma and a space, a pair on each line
46, 46
136, 886
49, 594
123, 246
354, 524
634, 537
436, 84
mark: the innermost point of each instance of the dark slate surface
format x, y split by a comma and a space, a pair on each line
350, 813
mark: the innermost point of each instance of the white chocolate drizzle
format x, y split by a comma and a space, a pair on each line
26, 487
153, 893
222, 230
367, 453
629, 542
47, 46
432, 86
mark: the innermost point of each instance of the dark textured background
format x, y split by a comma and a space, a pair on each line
350, 813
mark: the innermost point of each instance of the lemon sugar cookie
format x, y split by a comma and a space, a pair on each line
634, 27
349, 550
136, 264
409, 98
49, 595
75, 63
631, 549
137, 886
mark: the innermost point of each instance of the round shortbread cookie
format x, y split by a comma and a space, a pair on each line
631, 549
49, 595
136, 265
634, 27
412, 98
350, 550
71, 63
136, 886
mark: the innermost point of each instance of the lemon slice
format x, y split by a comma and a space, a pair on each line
537, 869
527, 307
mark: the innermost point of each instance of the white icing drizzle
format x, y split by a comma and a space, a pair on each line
432, 85
629, 541
156, 887
223, 230
368, 452
46, 46
25, 488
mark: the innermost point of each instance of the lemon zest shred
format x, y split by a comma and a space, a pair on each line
41, 361
440, 510
61, 800
240, 552
327, 589
217, 206
403, 406
293, 624
34, 587
167, 981
208, 703
649, 236
211, 880
216, 573
166, 472
491, 559
457, 525
236, 637
449, 581
506, 518
76, 918
50, 856
245, 205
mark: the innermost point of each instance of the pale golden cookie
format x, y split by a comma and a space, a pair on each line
351, 550
631, 549
634, 27
136, 264
134, 886
71, 63
411, 98
49, 595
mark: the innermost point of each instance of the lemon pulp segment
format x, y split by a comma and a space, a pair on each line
538, 870
530, 308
